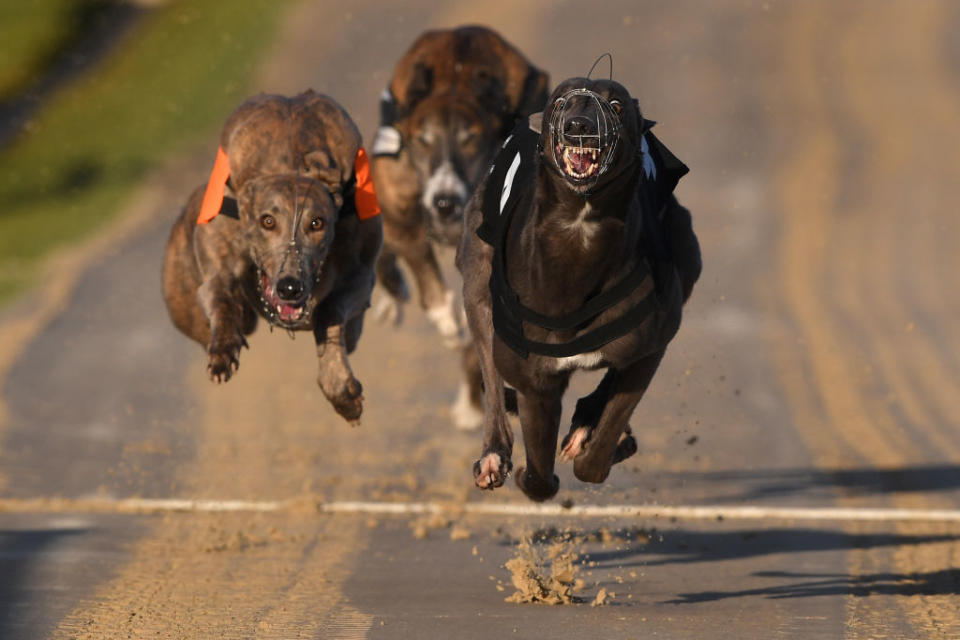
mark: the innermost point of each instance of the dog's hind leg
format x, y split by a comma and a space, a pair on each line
467, 409
586, 416
540, 417
413, 247
389, 308
606, 444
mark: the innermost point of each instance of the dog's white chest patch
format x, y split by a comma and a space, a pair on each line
586, 227
590, 360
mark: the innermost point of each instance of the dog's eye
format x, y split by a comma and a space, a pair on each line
317, 224
617, 107
268, 221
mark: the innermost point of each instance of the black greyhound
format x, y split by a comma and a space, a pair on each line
575, 255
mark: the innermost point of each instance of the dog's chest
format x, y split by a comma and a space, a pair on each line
591, 360
582, 227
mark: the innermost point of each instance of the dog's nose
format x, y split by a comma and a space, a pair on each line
289, 288
579, 126
446, 205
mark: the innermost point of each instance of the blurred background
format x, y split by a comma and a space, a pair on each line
817, 364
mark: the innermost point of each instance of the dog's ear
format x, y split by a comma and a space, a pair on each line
421, 82
245, 196
533, 97
320, 165
336, 194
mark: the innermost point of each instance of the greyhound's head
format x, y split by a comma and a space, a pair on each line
451, 140
288, 224
592, 132
451, 132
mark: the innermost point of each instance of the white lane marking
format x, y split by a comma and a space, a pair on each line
680, 512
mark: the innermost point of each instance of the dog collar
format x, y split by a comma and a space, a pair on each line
516, 165
359, 194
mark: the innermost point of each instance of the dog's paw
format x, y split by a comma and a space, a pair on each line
592, 465
574, 443
224, 358
388, 310
346, 398
536, 488
626, 446
490, 471
466, 417
445, 318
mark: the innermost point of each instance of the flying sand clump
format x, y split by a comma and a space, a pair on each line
529, 573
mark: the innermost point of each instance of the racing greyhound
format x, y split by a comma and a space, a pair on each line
575, 255
452, 99
286, 229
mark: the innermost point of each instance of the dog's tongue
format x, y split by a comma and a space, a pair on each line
581, 162
289, 312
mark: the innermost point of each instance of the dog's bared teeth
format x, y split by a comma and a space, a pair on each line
568, 161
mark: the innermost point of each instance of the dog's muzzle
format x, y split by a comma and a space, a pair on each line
584, 131
287, 301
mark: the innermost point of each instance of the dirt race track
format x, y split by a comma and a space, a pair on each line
817, 367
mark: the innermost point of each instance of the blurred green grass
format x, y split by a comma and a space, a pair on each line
30, 31
173, 78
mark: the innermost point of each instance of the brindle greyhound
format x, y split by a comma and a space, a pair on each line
293, 248
575, 255
452, 99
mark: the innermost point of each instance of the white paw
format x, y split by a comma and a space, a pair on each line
488, 472
388, 310
445, 318
466, 417
575, 444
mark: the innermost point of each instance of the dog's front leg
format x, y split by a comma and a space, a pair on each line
494, 464
540, 417
335, 377
609, 441
585, 418
221, 303
336, 331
